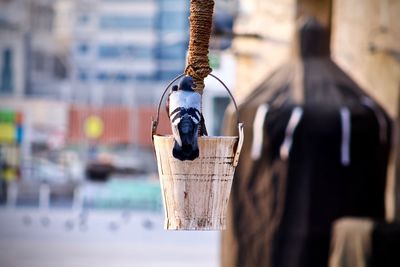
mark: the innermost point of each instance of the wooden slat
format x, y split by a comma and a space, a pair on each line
196, 193
397, 162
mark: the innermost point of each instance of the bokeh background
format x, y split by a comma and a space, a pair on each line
79, 83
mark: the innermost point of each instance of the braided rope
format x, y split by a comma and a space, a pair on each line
201, 12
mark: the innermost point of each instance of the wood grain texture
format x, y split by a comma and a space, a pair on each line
196, 193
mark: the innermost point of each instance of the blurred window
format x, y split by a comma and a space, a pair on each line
124, 1
119, 77
122, 77
220, 104
83, 19
126, 22
102, 76
42, 17
108, 51
123, 51
60, 70
169, 75
174, 51
175, 5
83, 48
7, 73
173, 21
144, 77
83, 76
38, 60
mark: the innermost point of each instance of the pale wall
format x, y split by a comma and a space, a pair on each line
357, 24
274, 20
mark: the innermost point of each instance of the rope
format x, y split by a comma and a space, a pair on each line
201, 12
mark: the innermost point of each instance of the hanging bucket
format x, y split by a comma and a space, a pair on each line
196, 193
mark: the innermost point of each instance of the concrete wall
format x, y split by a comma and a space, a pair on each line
358, 24
272, 20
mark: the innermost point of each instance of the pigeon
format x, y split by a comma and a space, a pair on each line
184, 105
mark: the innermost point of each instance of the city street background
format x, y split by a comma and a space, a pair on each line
63, 238
80, 81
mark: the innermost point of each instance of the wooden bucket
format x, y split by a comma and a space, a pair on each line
196, 193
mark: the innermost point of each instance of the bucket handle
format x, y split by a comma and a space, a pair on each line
154, 123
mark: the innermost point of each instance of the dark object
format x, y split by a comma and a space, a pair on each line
385, 245
7, 79
319, 151
3, 190
98, 171
102, 171
189, 149
184, 111
222, 24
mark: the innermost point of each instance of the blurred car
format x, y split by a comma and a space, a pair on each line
57, 177
107, 164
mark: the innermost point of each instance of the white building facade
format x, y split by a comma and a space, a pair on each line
127, 49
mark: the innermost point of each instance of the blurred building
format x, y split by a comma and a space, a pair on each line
13, 40
47, 58
126, 50
223, 63
263, 29
227, 6
31, 61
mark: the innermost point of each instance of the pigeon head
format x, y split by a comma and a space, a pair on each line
187, 84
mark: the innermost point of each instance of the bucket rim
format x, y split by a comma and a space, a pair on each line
205, 138
160, 136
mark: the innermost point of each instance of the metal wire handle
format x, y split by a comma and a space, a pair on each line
235, 160
154, 123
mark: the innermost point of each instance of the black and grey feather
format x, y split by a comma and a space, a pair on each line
184, 105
